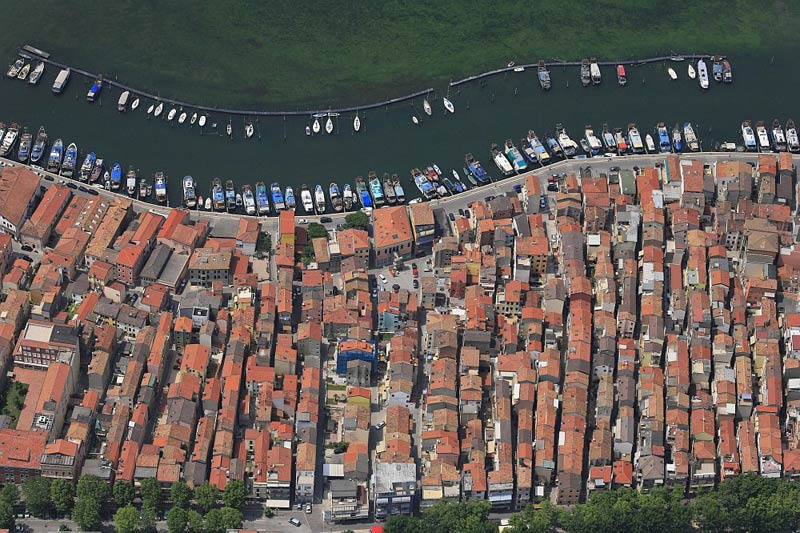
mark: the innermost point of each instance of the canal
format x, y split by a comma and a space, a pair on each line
505, 106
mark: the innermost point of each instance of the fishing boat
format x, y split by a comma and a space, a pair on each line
608, 139
54, 161
144, 189
569, 146
664, 144
513, 155
9, 140
306, 199
217, 195
375, 189
362, 192
356, 124
690, 138
539, 151
230, 195
202, 121
277, 196
39, 145
649, 144
716, 68
189, 194
208, 204
122, 103
262, 199
635, 139
594, 143
347, 196
433, 177
182, 117
448, 105
239, 202
388, 189
160, 187
672, 74
70, 160
594, 70
61, 81
95, 89
131, 180
622, 79
23, 73
399, 193
329, 126
36, 75
24, 150
778, 137
88, 166
289, 198
677, 138
249, 200
315, 127
763, 138
552, 146
476, 170
171, 114
193, 119
116, 176
158, 110
449, 185
792, 139
702, 74
544, 76
586, 73
727, 74
501, 161
97, 171
620, 140
14, 68
457, 177
135, 104
426, 106
414, 119
425, 187
249, 130
335, 196
691, 71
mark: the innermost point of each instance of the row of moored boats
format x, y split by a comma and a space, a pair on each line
777, 138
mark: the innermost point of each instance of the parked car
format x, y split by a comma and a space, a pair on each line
93, 192
416, 284
380, 425
325, 220
49, 178
383, 278
71, 185
294, 521
308, 508
452, 217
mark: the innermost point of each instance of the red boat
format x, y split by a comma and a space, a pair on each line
621, 79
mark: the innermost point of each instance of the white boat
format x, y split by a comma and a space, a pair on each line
14, 69
193, 119
427, 107
208, 203
159, 108
594, 71
23, 74
316, 126
702, 74
414, 119
150, 109
691, 72
651, 145
37, 73
201, 121
792, 140
329, 125
449, 105
357, 124
182, 118
229, 129
763, 138
172, 113
122, 103
308, 130
672, 74
248, 130
135, 104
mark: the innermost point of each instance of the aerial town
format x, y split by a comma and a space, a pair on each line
636, 326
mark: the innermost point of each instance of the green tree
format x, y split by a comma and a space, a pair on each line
126, 520
177, 520
94, 487
214, 521
531, 520
403, 524
466, 517
10, 494
358, 220
268, 512
150, 491
206, 496
231, 518
195, 521
147, 520
181, 494
235, 494
7, 520
308, 255
124, 493
87, 513
62, 494
36, 491
316, 230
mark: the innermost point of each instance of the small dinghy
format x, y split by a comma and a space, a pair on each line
449, 105
316, 126
182, 118
357, 124
135, 104
202, 121
193, 119
329, 126
672, 74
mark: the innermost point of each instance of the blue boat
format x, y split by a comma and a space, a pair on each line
217, 195
116, 176
95, 90
38, 147
262, 200
363, 192
515, 156
677, 138
291, 203
375, 188
277, 197
70, 159
425, 187
475, 168
664, 143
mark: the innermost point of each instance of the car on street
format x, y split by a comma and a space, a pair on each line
552, 187
49, 178
380, 425
518, 188
383, 278
416, 284
467, 213
27, 248
308, 508
134, 297
452, 217
461, 211
83, 189
93, 192
294, 521
303, 221
542, 202
325, 220
71, 185
489, 198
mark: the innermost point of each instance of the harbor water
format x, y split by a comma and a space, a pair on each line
502, 107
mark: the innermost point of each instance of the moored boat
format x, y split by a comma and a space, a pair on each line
594, 143
144, 189
15, 67
95, 89
716, 68
691, 72
97, 171
262, 199
87, 166
664, 144
426, 106
594, 70
329, 126
39, 145
544, 76
70, 160
208, 204
202, 121
608, 139
363, 192
672, 74
500, 160
347, 196
635, 139
620, 140
189, 194
171, 114
122, 103
375, 189
425, 187
586, 73
160, 187
335, 196
182, 117
448, 105
23, 73
762, 136
727, 73
291, 203
388, 189
116, 176
569, 146
476, 170
702, 74
357, 124
131, 179
514, 155
552, 145
61, 81
230, 195
135, 104
690, 138
159, 109
249, 130
778, 137
9, 140
36, 75
277, 196
193, 119
792, 139
649, 143
539, 151
399, 193
306, 199
217, 195
248, 200
622, 79
24, 150
677, 139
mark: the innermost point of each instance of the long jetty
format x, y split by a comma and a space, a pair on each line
558, 63
31, 52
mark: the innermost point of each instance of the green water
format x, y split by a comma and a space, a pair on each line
506, 106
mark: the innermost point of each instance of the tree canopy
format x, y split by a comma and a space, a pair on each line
62, 494
235, 494
315, 230
36, 491
180, 494
124, 493
358, 220
206, 496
